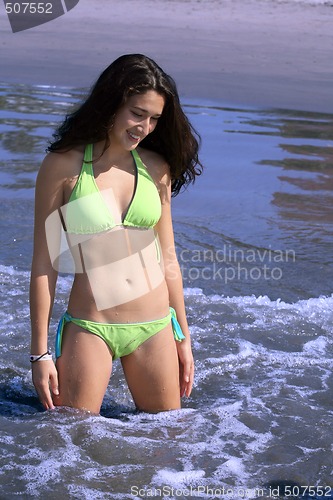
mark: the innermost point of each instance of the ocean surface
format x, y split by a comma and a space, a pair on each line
308, 2
254, 240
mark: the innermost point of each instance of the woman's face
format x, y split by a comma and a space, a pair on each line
136, 119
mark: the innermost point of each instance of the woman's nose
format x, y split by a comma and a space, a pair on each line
146, 125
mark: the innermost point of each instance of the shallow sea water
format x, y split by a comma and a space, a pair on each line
254, 239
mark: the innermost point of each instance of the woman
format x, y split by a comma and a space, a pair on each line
107, 183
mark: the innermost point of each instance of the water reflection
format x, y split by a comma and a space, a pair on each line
312, 158
309, 150
28, 116
310, 208
39, 100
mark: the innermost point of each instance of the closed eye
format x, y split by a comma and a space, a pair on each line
141, 115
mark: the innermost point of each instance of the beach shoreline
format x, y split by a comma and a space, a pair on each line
240, 53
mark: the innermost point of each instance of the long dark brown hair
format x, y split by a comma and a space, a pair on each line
174, 137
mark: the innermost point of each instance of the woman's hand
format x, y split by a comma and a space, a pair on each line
186, 367
45, 380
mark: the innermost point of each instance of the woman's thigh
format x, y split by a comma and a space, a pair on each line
152, 373
84, 369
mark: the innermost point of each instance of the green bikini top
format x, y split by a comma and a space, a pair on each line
88, 213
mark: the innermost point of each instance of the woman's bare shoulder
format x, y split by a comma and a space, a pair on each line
159, 170
62, 164
156, 165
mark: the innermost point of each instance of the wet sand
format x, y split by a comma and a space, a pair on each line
241, 53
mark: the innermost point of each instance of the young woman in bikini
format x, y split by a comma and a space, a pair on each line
106, 184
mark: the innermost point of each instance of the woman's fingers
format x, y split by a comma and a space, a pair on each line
186, 369
45, 377
54, 383
187, 383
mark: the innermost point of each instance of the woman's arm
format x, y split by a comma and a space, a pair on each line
174, 282
48, 198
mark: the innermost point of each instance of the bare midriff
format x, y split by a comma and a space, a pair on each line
120, 278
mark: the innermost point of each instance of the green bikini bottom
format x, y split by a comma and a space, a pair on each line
121, 338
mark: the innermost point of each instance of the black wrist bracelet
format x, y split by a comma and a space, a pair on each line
33, 358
